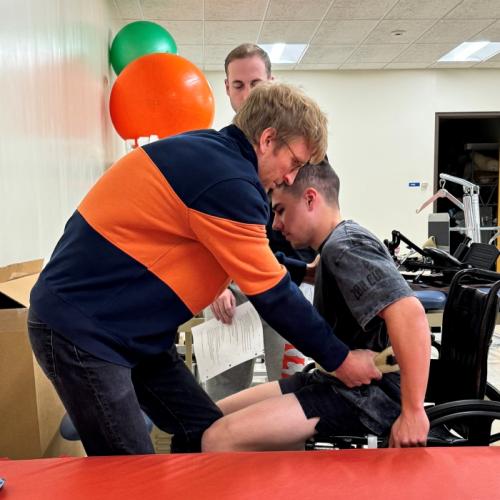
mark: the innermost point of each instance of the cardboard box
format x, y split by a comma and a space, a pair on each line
30, 410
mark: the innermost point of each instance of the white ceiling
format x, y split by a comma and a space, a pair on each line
342, 34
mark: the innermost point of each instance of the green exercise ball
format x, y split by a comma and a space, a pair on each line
138, 39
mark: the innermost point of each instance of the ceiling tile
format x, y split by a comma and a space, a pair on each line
383, 33
298, 10
361, 9
231, 32
330, 54
287, 31
495, 58
491, 33
361, 65
398, 65
307, 67
376, 53
488, 64
114, 13
476, 9
424, 52
283, 67
421, 9
129, 9
192, 52
184, 32
454, 31
231, 10
216, 54
452, 65
343, 32
173, 10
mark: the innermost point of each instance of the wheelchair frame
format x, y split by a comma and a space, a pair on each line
460, 415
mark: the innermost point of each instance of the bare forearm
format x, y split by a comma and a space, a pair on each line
409, 334
412, 351
410, 338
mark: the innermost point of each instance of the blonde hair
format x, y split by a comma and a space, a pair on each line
289, 111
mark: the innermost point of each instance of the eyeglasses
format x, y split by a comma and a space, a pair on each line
298, 163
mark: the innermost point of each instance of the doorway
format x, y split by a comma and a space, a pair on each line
467, 145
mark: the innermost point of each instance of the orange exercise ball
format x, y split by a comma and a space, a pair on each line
160, 94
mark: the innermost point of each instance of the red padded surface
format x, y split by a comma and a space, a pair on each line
419, 473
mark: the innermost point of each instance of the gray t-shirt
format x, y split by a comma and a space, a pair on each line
356, 279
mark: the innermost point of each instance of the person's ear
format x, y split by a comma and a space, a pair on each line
310, 197
226, 83
266, 139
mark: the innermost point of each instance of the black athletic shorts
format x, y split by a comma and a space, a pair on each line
367, 409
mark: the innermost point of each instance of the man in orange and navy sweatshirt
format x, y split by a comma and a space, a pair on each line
155, 241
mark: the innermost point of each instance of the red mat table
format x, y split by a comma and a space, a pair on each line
407, 474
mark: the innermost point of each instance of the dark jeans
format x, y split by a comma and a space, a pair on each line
104, 399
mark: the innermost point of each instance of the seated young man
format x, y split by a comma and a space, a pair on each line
362, 295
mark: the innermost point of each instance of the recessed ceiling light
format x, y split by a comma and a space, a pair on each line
472, 51
284, 53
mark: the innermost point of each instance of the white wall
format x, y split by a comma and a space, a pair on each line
56, 138
55, 135
381, 134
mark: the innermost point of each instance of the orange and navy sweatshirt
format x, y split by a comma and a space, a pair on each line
156, 240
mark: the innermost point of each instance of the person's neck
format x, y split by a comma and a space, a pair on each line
327, 224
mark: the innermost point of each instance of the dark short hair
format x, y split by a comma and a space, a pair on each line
321, 177
248, 50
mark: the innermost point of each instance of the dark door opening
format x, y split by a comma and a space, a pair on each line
467, 146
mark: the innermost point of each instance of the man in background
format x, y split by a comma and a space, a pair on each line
247, 66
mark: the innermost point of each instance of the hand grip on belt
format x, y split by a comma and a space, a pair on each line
386, 361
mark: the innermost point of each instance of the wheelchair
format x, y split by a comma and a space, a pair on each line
430, 274
461, 405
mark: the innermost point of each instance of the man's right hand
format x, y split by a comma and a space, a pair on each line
224, 306
358, 368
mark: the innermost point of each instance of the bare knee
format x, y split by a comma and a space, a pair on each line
214, 437
226, 434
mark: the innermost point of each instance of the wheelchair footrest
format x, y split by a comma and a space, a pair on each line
319, 442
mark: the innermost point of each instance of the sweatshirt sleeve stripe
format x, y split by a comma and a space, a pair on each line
241, 249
